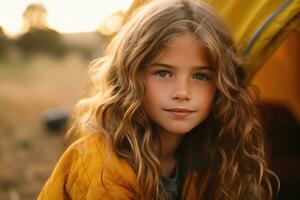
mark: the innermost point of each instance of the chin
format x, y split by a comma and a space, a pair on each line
179, 130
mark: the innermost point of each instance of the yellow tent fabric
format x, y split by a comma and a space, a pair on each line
258, 26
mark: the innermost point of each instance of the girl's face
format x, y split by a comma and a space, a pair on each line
180, 90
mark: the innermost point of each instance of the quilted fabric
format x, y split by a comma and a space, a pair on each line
79, 174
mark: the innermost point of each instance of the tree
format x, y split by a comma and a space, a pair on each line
37, 36
41, 41
34, 17
4, 43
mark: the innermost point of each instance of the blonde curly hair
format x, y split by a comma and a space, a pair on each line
229, 152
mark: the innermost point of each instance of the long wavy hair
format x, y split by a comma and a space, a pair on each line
227, 149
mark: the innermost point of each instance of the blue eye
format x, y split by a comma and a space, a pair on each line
201, 77
163, 74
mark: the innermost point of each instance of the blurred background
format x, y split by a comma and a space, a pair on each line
45, 48
279, 83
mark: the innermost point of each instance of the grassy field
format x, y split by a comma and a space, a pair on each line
28, 152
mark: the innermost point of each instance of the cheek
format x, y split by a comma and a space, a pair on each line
212, 94
206, 97
155, 89
152, 94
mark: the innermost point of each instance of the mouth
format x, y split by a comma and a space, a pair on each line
179, 112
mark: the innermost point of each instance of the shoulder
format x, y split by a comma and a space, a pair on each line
91, 143
251, 190
95, 158
88, 168
94, 148
89, 148
190, 187
94, 153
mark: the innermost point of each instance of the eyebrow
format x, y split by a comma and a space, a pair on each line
172, 66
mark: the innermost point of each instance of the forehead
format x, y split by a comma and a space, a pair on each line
185, 49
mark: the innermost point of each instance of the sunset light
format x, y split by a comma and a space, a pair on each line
63, 15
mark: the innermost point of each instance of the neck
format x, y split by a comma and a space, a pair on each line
169, 145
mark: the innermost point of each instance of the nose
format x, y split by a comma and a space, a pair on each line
181, 91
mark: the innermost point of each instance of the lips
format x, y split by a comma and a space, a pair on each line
179, 113
180, 110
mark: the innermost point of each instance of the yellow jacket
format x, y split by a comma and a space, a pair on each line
77, 174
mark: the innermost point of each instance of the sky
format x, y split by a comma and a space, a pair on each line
63, 15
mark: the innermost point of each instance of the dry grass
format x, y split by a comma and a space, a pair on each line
28, 152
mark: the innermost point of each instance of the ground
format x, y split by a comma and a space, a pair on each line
28, 151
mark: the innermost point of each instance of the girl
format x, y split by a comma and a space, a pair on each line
167, 116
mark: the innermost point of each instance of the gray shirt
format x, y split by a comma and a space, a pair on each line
170, 185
